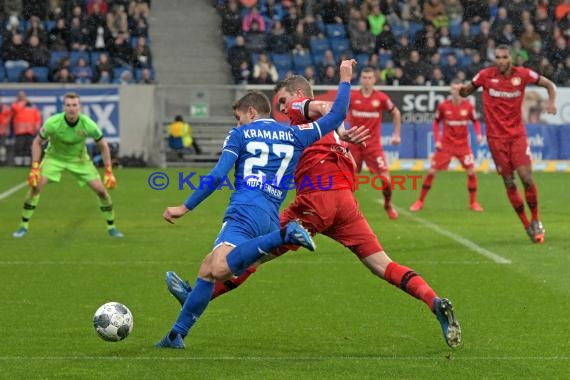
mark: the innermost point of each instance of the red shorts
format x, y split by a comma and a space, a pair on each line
374, 157
442, 158
344, 222
509, 154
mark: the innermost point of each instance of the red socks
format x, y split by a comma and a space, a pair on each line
517, 203
531, 195
426, 186
472, 188
224, 287
410, 282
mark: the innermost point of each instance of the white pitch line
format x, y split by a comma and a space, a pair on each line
460, 239
12, 190
285, 358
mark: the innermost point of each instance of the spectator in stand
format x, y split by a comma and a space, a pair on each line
78, 35
422, 35
272, 10
263, 77
435, 60
412, 11
291, 20
126, 77
398, 78
444, 38
452, 68
332, 12
142, 56
482, 38
36, 28
139, 9
434, 13
300, 41
5, 118
255, 39
236, 56
311, 27
28, 76
117, 22
507, 37
529, 36
386, 39
103, 70
545, 68
242, 74
330, 76
146, 77
100, 39
415, 66
15, 54
121, 51
517, 51
543, 25
279, 41
562, 75
58, 38
401, 51
82, 72
391, 9
96, 18
38, 53
387, 72
63, 75
140, 29
373, 62
475, 66
328, 60
437, 78
264, 64
310, 75
231, 18
454, 10
466, 39
250, 18
362, 41
97, 5
376, 20
430, 48
564, 26
558, 54
475, 11
354, 18
77, 11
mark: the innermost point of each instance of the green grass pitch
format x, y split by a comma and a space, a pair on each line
306, 315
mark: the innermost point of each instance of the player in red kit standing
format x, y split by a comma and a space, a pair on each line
366, 107
325, 177
454, 114
503, 94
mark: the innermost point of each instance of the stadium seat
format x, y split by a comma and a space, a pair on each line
318, 58
94, 56
282, 61
339, 46
466, 60
55, 57
362, 59
41, 72
138, 74
300, 61
2, 74
413, 28
282, 73
230, 42
75, 55
319, 45
454, 29
383, 58
49, 25
117, 71
475, 29
13, 75
398, 30
333, 31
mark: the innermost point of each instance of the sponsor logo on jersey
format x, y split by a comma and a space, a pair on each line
504, 94
463, 113
375, 103
364, 114
305, 126
516, 81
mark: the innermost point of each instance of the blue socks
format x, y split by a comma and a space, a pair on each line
245, 254
194, 306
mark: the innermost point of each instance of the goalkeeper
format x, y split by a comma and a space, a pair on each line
67, 132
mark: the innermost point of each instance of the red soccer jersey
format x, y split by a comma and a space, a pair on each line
502, 99
455, 119
325, 164
367, 110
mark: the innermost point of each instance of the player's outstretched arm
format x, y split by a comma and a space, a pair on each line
551, 88
354, 135
467, 89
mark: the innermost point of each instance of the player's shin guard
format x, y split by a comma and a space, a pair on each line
472, 187
249, 252
106, 206
531, 195
426, 186
194, 306
387, 191
229, 285
30, 204
410, 282
518, 205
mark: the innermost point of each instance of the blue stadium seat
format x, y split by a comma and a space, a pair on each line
300, 61
318, 58
75, 55
94, 56
340, 45
138, 74
230, 42
135, 39
398, 30
383, 58
49, 25
475, 29
282, 73
319, 45
333, 31
282, 61
454, 29
413, 28
2, 73
254, 58
465, 60
362, 59
13, 75
41, 73
55, 57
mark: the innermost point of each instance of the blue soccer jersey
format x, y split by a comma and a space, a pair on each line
264, 155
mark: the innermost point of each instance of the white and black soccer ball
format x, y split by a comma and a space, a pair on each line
113, 321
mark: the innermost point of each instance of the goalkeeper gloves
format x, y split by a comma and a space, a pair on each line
109, 179
34, 176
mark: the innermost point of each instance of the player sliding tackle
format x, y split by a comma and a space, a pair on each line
503, 94
330, 158
250, 227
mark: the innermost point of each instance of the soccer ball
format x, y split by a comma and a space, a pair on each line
113, 321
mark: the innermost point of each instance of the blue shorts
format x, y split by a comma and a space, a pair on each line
243, 223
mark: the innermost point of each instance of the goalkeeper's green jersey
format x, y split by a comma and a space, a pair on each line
67, 142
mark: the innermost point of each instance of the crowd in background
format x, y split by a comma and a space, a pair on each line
411, 42
75, 41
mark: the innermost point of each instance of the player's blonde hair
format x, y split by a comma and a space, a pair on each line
71, 95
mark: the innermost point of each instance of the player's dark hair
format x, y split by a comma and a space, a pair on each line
70, 95
292, 83
503, 47
254, 99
